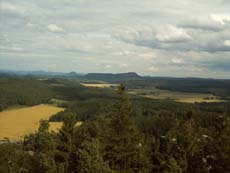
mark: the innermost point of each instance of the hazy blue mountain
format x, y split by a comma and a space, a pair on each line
39, 73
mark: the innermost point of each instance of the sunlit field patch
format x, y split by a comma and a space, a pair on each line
56, 126
16, 123
99, 85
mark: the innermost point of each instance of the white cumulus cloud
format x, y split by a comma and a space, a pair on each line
202, 24
227, 43
221, 18
153, 68
171, 33
55, 28
177, 61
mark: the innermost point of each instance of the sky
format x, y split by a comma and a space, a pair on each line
180, 38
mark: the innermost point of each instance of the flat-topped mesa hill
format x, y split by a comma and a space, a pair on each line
112, 76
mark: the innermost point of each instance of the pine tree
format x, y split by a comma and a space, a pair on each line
41, 148
171, 166
123, 145
217, 146
13, 158
65, 149
184, 141
90, 158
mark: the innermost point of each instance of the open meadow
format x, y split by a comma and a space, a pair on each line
16, 123
99, 85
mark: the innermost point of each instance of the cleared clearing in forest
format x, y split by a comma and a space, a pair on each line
16, 123
199, 100
99, 85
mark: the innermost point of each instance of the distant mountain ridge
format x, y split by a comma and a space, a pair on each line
89, 76
39, 73
101, 76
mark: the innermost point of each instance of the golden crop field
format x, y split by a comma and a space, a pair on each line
198, 100
16, 123
99, 85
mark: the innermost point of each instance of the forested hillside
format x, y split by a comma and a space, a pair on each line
122, 134
29, 91
23, 91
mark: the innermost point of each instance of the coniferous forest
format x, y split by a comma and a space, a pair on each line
120, 132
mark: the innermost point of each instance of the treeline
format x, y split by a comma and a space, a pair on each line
127, 140
23, 91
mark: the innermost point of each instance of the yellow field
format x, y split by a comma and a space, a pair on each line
55, 126
184, 97
16, 123
198, 100
99, 85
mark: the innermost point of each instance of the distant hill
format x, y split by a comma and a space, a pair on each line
111, 77
72, 75
33, 73
39, 73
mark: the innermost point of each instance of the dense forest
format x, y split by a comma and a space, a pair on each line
29, 91
119, 133
23, 91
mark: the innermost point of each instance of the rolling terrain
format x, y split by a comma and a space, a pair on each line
142, 117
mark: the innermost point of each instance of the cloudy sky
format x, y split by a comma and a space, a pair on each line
151, 37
